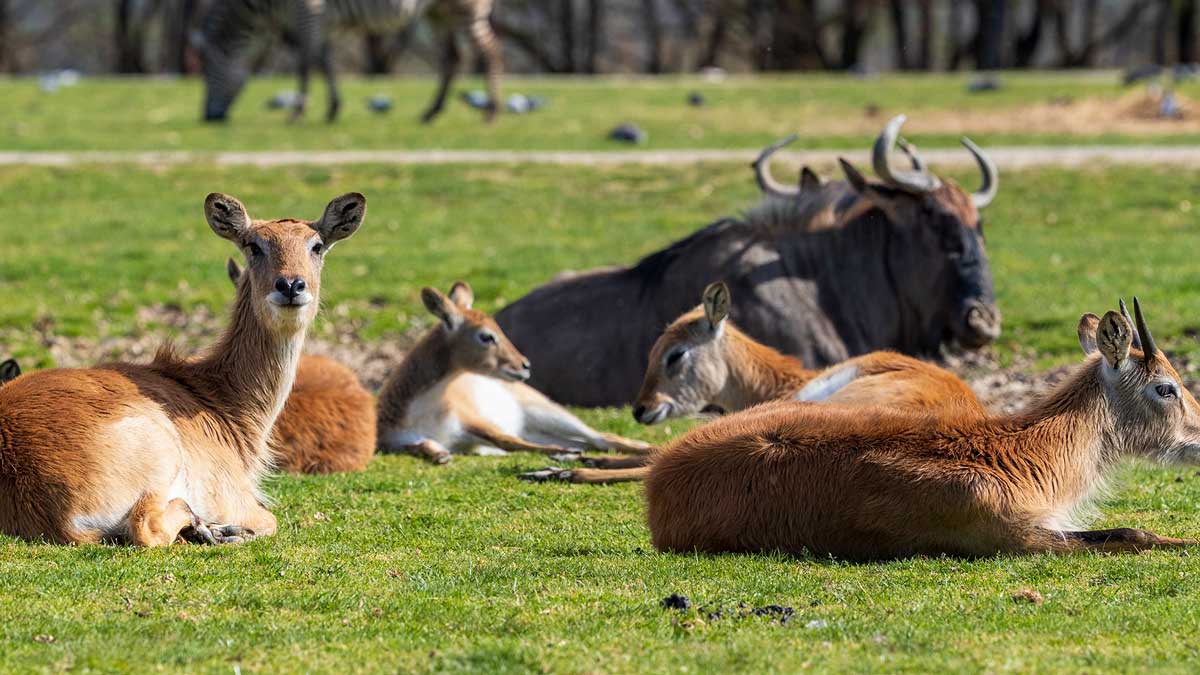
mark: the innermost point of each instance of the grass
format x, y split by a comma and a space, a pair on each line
413, 568
827, 110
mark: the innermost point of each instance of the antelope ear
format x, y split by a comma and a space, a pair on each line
442, 307
1087, 333
1114, 335
809, 180
856, 179
234, 272
9, 371
342, 217
716, 303
226, 216
462, 295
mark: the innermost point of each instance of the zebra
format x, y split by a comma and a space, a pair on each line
229, 25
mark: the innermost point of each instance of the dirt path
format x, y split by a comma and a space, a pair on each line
1007, 157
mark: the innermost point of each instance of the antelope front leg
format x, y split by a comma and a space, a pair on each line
1122, 540
617, 462
258, 523
155, 522
491, 435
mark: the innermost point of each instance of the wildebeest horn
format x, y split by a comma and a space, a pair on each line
1137, 339
917, 182
762, 170
1148, 346
991, 177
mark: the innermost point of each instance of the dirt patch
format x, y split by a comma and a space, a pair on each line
1137, 113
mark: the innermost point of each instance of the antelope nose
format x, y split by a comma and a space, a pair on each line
638, 411
290, 289
525, 364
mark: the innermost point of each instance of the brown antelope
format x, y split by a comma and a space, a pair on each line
874, 483
462, 388
703, 362
328, 422
143, 452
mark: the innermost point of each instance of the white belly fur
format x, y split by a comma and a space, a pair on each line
435, 414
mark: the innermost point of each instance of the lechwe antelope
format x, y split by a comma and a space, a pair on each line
143, 452
328, 422
462, 388
702, 361
869, 484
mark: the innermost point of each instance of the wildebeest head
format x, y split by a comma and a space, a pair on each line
937, 254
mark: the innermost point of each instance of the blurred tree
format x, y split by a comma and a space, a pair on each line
132, 17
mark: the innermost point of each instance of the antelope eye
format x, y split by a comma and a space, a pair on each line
254, 250
318, 248
674, 357
1166, 391
486, 338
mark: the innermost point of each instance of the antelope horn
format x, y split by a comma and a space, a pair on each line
1148, 346
762, 170
991, 177
1137, 339
916, 182
914, 157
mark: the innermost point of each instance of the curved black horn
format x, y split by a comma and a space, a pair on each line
991, 176
1148, 346
1137, 339
917, 182
762, 170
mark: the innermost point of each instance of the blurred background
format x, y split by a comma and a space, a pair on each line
648, 36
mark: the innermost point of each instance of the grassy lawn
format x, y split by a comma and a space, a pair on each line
827, 110
409, 567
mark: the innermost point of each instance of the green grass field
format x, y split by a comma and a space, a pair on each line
827, 111
463, 568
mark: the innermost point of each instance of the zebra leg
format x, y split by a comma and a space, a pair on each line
302, 97
486, 43
335, 99
447, 68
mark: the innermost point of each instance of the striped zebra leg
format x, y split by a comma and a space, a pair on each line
447, 67
486, 43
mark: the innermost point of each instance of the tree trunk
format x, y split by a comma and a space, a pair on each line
128, 38
925, 39
990, 44
1027, 43
595, 30
566, 18
904, 58
854, 24
177, 19
958, 49
1162, 24
6, 50
716, 38
378, 56
1186, 31
653, 37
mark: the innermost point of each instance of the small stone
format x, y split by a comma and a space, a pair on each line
1028, 595
628, 133
676, 601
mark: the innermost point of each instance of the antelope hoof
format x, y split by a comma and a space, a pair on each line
231, 534
441, 458
548, 474
198, 533
567, 456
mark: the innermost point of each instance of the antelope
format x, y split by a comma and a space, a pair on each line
702, 362
328, 422
145, 452
462, 388
876, 484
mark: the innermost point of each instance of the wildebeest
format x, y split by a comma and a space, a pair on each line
824, 272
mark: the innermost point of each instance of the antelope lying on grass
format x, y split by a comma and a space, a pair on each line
143, 452
462, 388
703, 361
841, 481
328, 422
